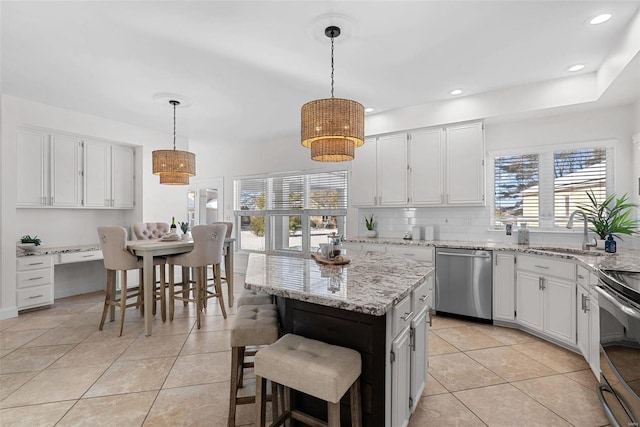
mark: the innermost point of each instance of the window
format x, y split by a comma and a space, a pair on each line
290, 212
543, 187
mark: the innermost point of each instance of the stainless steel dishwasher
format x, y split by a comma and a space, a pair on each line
464, 282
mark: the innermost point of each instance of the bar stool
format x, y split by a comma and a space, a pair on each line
251, 297
254, 325
313, 367
208, 244
113, 242
227, 264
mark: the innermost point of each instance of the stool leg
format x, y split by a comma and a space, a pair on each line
286, 404
186, 284
241, 374
123, 299
261, 389
235, 361
171, 292
140, 300
275, 410
198, 274
107, 299
218, 282
112, 309
163, 293
356, 404
333, 416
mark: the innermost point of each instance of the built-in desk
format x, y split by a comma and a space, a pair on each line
369, 305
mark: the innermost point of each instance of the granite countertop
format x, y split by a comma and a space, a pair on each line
371, 283
53, 250
623, 259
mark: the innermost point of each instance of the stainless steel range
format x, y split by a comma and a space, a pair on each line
619, 301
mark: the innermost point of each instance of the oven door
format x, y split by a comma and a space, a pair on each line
619, 357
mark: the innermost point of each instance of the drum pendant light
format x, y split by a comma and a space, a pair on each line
332, 127
174, 166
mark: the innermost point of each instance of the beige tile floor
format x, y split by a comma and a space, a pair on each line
56, 368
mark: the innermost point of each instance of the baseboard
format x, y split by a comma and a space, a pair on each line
8, 312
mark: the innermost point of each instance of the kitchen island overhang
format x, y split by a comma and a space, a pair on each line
351, 306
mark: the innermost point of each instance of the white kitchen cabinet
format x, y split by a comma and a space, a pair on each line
504, 276
109, 175
34, 281
32, 168
546, 297
392, 170
419, 351
427, 163
465, 165
583, 322
363, 190
122, 176
65, 171
594, 334
401, 379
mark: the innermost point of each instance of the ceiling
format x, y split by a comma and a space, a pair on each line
247, 67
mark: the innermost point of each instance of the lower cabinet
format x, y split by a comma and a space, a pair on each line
34, 281
594, 335
583, 320
401, 379
419, 359
504, 276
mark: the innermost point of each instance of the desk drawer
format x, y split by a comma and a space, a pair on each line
83, 256
33, 262
30, 278
402, 315
34, 297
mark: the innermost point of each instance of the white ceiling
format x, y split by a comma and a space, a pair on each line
247, 67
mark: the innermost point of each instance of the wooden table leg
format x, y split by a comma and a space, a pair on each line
147, 268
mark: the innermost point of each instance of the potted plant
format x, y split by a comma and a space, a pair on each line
370, 224
184, 226
612, 216
29, 243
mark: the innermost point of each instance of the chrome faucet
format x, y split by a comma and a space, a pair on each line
586, 244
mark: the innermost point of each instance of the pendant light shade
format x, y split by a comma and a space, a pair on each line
332, 127
174, 166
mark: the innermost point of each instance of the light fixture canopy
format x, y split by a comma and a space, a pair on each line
175, 167
332, 127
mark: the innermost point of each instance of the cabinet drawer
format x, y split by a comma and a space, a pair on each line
33, 262
402, 315
548, 267
421, 297
420, 254
583, 277
80, 256
27, 279
34, 297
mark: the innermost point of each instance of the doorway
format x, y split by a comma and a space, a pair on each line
205, 201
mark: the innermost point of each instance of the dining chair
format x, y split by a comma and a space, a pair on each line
116, 257
208, 246
227, 264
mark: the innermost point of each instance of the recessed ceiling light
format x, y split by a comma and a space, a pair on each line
456, 92
576, 67
600, 19
368, 110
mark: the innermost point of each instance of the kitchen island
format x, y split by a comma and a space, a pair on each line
377, 305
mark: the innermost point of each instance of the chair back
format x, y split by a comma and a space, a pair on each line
208, 246
113, 242
229, 228
150, 230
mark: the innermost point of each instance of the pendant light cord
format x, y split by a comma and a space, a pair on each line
174, 103
332, 65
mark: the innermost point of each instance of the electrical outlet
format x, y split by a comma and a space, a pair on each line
466, 220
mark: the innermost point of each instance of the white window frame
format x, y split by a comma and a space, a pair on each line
545, 173
270, 214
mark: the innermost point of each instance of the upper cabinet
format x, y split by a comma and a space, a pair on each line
62, 170
428, 167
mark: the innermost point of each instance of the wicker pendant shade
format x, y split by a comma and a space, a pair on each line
174, 166
332, 127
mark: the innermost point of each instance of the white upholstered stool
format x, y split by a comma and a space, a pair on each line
312, 367
251, 297
254, 325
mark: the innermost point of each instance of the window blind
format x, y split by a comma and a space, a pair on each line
327, 190
250, 194
516, 189
575, 172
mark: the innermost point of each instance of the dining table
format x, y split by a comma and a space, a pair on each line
147, 249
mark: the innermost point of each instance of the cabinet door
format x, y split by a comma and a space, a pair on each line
122, 176
419, 356
504, 277
594, 335
97, 177
363, 189
65, 171
400, 379
465, 165
583, 322
31, 168
529, 301
560, 309
427, 169
392, 170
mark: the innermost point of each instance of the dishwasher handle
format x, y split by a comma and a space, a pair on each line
483, 255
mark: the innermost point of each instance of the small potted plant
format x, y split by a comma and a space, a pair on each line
612, 216
184, 226
29, 243
370, 224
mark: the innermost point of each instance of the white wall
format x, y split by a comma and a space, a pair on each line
64, 227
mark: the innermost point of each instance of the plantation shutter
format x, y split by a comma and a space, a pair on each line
516, 189
327, 190
250, 194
